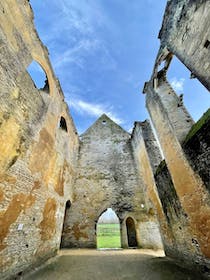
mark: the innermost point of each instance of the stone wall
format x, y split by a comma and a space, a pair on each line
197, 148
147, 157
185, 32
38, 157
182, 180
177, 220
53, 184
185, 245
107, 178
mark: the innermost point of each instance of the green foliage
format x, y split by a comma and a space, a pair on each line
108, 236
160, 167
198, 125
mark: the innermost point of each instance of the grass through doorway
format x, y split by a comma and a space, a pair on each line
108, 236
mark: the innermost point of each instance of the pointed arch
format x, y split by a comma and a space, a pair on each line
108, 230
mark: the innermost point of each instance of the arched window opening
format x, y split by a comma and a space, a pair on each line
192, 93
108, 230
65, 222
131, 233
63, 124
38, 76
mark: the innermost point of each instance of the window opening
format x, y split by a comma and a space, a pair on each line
38, 76
63, 124
207, 44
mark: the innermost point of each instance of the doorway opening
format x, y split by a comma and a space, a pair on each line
66, 217
131, 233
108, 230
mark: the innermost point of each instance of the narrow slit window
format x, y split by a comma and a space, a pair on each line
63, 124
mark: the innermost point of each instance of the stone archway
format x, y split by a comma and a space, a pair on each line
131, 232
108, 230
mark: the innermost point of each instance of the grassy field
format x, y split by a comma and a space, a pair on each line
108, 236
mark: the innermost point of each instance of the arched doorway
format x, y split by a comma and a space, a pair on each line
108, 230
131, 232
67, 208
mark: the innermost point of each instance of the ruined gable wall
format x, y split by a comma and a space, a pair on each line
38, 158
107, 177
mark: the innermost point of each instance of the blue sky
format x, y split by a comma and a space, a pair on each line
103, 51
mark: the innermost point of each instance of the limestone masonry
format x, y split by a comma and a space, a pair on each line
54, 185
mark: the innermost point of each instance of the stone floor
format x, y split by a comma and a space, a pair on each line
111, 265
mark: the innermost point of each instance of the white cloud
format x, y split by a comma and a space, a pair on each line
76, 17
108, 217
83, 17
93, 109
178, 84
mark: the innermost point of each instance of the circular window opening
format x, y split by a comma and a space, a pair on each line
104, 122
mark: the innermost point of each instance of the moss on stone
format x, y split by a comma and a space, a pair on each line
197, 126
160, 167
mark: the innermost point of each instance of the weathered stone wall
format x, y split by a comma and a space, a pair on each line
197, 148
147, 157
38, 158
107, 178
185, 32
38, 164
185, 245
182, 184
183, 181
189, 187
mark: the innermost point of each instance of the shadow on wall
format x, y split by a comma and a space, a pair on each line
131, 233
67, 209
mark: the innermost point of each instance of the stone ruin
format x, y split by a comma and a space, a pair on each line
54, 185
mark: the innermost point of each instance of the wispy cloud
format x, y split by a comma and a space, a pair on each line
94, 109
76, 33
76, 54
178, 84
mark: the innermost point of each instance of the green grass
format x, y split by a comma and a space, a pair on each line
108, 236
